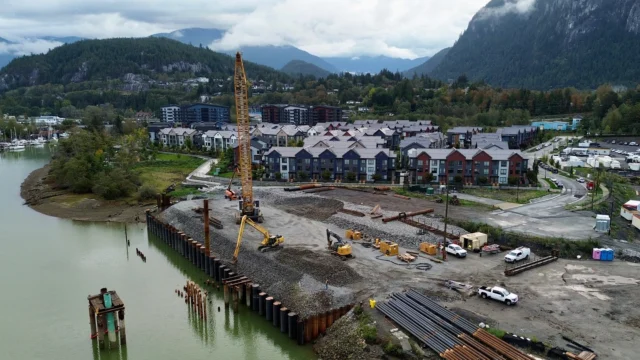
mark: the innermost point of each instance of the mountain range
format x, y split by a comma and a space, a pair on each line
269, 55
549, 44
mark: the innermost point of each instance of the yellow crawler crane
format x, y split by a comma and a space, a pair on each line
246, 206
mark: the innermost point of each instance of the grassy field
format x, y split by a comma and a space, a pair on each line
522, 196
551, 184
167, 169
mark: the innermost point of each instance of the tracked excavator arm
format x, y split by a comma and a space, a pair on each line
269, 242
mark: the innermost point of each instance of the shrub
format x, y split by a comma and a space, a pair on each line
326, 175
483, 180
278, 176
369, 334
147, 192
376, 177
351, 176
303, 176
115, 184
392, 349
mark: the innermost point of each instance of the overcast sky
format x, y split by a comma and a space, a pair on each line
398, 28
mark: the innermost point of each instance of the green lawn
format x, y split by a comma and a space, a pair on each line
551, 184
522, 196
167, 169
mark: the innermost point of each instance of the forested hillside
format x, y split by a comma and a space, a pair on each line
549, 44
297, 67
110, 59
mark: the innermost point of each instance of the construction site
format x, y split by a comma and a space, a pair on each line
315, 251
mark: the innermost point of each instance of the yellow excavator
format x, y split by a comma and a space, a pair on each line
270, 242
339, 247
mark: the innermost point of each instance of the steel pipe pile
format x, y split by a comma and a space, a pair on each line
448, 315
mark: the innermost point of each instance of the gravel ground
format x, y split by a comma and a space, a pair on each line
281, 273
344, 341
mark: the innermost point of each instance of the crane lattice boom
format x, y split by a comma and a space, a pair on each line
244, 137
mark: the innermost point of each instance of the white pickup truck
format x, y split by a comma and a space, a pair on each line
456, 250
499, 294
518, 254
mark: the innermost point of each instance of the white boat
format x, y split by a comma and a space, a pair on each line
16, 147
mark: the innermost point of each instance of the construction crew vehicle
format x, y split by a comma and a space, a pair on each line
246, 206
352, 234
498, 294
521, 253
339, 247
269, 242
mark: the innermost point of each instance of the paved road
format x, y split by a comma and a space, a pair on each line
547, 150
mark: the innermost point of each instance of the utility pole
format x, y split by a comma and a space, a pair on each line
612, 201
446, 214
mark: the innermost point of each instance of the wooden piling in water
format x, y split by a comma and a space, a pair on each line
101, 327
121, 329
226, 295
234, 293
92, 321
205, 213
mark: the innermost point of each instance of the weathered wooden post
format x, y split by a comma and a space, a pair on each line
121, 328
226, 295
207, 243
92, 321
234, 295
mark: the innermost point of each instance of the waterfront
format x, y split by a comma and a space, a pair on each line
48, 266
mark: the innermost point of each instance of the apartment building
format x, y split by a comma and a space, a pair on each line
176, 136
340, 163
473, 166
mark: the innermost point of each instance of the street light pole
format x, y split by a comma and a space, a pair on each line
446, 214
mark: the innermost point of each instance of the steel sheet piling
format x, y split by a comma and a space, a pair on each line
300, 331
262, 303
284, 320
275, 314
292, 319
269, 308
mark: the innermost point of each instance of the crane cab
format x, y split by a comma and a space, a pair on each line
252, 212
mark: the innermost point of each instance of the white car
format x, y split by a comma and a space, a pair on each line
499, 294
518, 254
456, 250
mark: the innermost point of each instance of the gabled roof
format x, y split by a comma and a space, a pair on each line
421, 141
178, 131
339, 153
463, 129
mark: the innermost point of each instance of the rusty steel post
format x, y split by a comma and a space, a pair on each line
322, 326
226, 295
329, 316
314, 327
121, 329
207, 244
92, 321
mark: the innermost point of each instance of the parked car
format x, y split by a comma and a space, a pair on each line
456, 250
613, 141
580, 180
633, 143
499, 294
518, 254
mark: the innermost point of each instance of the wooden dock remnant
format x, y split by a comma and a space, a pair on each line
106, 315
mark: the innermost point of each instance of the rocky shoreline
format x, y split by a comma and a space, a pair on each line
39, 194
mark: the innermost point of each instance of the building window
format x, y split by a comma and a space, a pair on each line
503, 171
486, 171
346, 162
451, 171
307, 161
503, 180
420, 162
486, 163
434, 171
503, 164
434, 163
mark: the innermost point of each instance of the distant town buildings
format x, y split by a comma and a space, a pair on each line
300, 114
195, 113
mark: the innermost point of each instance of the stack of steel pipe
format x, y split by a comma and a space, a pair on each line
448, 315
500, 346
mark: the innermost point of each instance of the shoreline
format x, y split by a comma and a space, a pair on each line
38, 194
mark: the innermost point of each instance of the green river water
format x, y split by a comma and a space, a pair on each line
48, 266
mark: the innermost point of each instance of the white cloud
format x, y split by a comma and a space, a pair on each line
401, 28
28, 46
510, 6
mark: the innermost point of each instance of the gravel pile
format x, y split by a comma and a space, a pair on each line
630, 255
343, 341
279, 273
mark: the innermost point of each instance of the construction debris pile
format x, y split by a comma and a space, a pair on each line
294, 276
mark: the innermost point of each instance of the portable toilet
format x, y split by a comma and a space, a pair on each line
430, 191
596, 254
606, 255
603, 222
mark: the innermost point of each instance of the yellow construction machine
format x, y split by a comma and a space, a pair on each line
247, 205
353, 234
339, 247
269, 242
